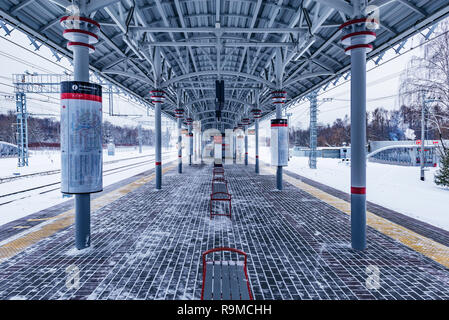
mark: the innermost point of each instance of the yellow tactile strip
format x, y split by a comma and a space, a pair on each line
67, 218
428, 247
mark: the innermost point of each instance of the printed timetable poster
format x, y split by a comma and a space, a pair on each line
81, 137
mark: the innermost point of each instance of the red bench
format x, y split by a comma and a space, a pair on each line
225, 279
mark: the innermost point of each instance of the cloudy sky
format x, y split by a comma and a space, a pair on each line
17, 55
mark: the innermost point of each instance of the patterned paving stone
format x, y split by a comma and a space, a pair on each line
148, 245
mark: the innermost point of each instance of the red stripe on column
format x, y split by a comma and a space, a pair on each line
80, 96
358, 46
77, 43
361, 20
95, 23
257, 157
80, 31
359, 33
358, 190
279, 125
158, 163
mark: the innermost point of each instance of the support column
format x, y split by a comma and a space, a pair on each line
80, 96
356, 38
313, 129
279, 168
256, 113
279, 98
158, 98
190, 139
201, 145
245, 122
179, 114
234, 146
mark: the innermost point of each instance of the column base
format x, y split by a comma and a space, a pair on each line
82, 221
159, 177
279, 178
358, 221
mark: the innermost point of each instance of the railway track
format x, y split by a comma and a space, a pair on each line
50, 172
105, 173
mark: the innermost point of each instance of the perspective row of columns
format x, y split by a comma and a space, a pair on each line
82, 34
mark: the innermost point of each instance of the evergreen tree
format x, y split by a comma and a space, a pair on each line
442, 175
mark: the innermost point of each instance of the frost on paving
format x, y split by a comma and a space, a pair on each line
148, 245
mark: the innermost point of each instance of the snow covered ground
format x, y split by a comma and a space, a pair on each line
394, 187
39, 199
45, 160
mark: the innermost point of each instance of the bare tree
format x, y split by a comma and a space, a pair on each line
427, 76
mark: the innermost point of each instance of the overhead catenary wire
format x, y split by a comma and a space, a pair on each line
373, 68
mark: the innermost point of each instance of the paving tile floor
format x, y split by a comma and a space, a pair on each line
148, 245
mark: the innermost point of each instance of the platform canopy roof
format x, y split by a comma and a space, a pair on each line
237, 41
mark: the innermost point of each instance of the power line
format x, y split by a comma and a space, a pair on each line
35, 53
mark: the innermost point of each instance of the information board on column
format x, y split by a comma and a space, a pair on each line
279, 142
81, 137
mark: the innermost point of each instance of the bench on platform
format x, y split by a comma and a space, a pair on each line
225, 279
217, 172
220, 193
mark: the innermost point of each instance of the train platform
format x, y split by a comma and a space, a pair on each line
147, 243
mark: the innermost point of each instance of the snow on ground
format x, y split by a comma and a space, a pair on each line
45, 160
35, 201
395, 187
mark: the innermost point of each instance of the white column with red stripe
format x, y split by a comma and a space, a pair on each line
179, 113
356, 39
257, 113
81, 125
158, 96
189, 122
279, 136
246, 122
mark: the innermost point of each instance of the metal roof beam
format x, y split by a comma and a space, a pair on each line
224, 44
413, 7
20, 6
99, 4
214, 73
338, 5
138, 29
